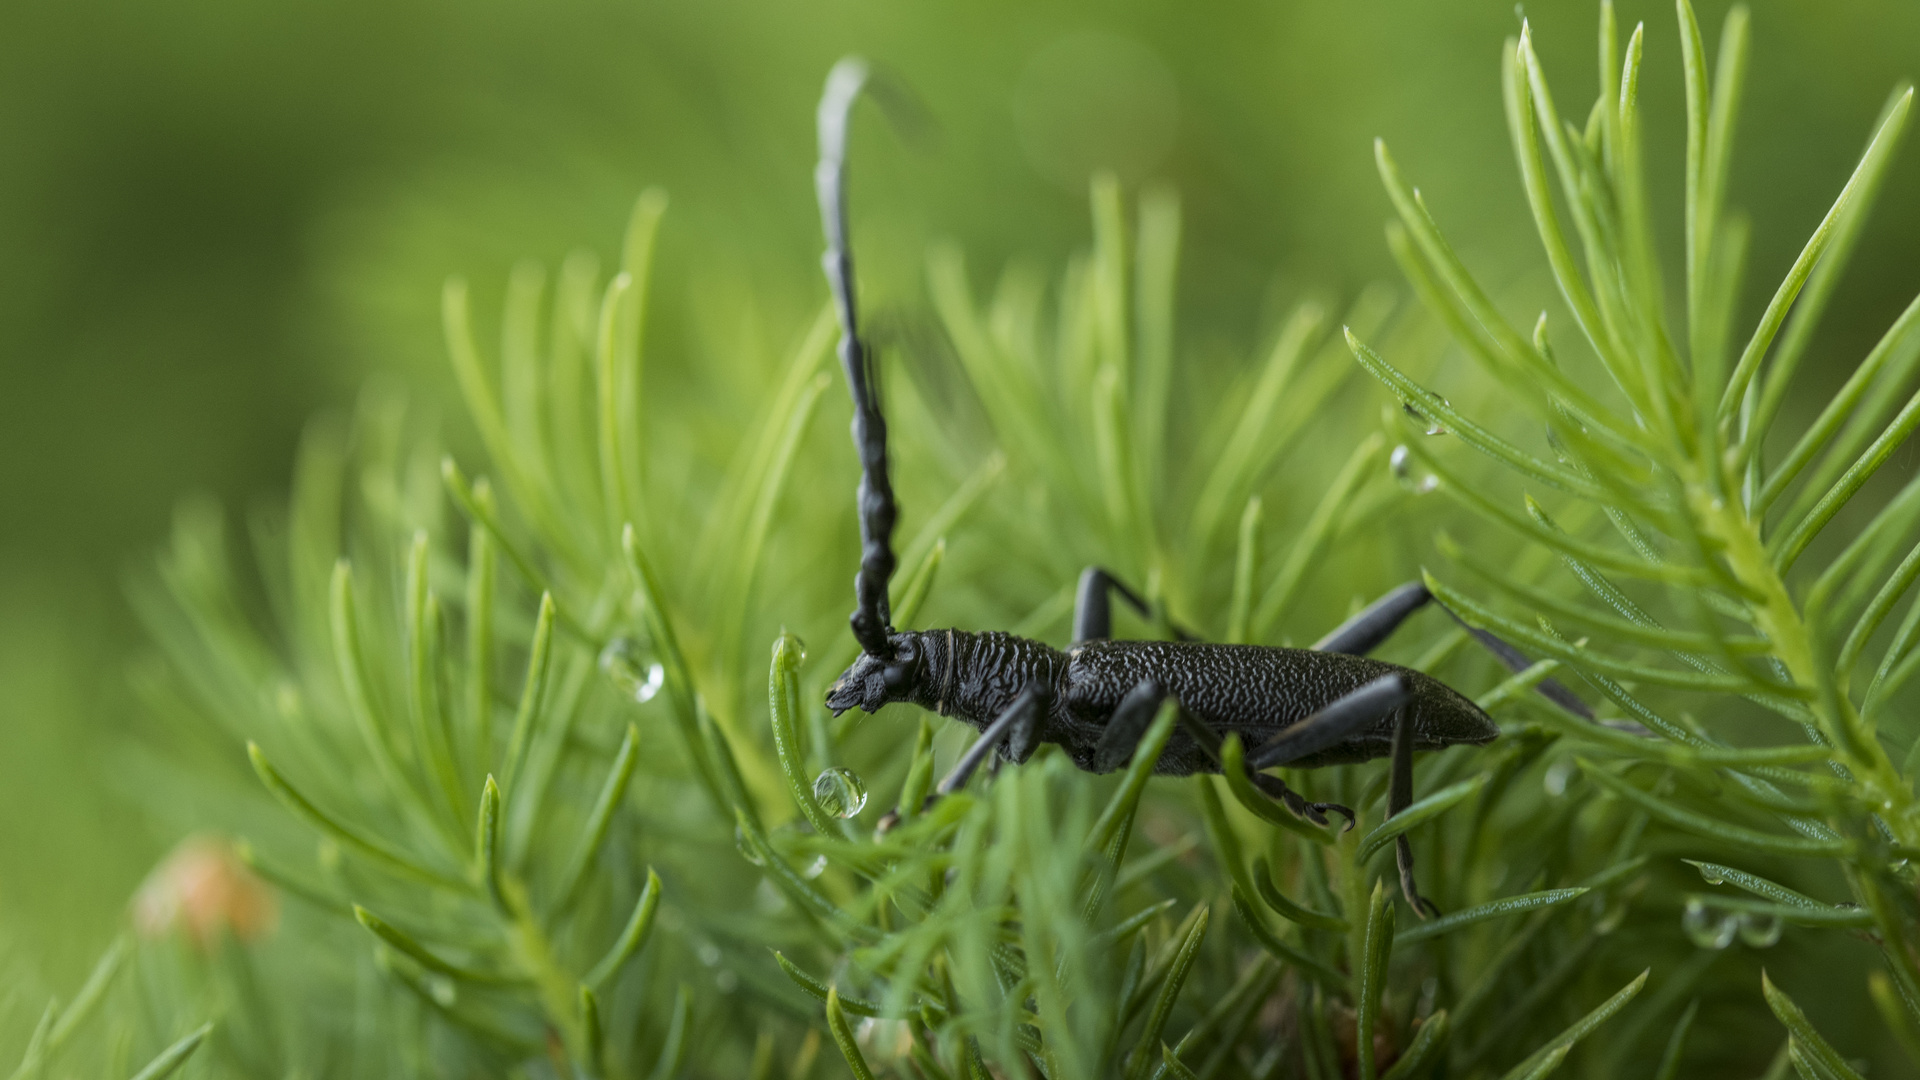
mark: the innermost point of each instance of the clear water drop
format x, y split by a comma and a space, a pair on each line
746, 847
816, 867
1555, 780
840, 792
656, 677
1712, 875
1397, 461
1433, 425
621, 661
1706, 929
1759, 930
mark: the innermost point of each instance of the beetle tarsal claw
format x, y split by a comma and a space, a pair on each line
1277, 788
1319, 814
1422, 906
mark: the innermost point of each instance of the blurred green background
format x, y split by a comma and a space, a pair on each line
219, 218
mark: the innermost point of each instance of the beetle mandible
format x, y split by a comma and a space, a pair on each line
1325, 705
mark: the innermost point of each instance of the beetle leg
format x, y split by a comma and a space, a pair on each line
1019, 724
1093, 604
1093, 607
1202, 733
1277, 789
1364, 632
1333, 724
1516, 661
1209, 740
1324, 808
1127, 725
1024, 739
1399, 797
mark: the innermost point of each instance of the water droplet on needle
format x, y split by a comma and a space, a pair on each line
1707, 929
635, 677
840, 792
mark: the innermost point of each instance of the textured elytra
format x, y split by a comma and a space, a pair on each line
1256, 691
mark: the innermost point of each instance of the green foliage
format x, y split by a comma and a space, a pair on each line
482, 705
1681, 472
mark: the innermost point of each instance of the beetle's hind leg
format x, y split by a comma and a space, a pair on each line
1129, 723
1277, 790
1376, 622
1333, 724
1399, 797
1364, 632
1338, 721
1272, 786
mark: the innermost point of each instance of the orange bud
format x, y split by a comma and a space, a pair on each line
203, 888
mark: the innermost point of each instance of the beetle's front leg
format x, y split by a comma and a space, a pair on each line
1018, 724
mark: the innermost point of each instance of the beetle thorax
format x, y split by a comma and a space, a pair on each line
974, 677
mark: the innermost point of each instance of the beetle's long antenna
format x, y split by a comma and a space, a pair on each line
872, 620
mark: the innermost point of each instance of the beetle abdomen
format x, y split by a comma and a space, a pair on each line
1257, 691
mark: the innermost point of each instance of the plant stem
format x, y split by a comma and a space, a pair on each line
1780, 620
558, 989
1353, 899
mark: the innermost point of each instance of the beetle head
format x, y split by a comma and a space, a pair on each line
874, 681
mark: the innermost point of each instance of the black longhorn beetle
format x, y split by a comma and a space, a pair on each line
1302, 708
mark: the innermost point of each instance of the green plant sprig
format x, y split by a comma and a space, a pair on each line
498, 720
1675, 457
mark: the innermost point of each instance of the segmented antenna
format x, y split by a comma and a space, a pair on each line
872, 619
